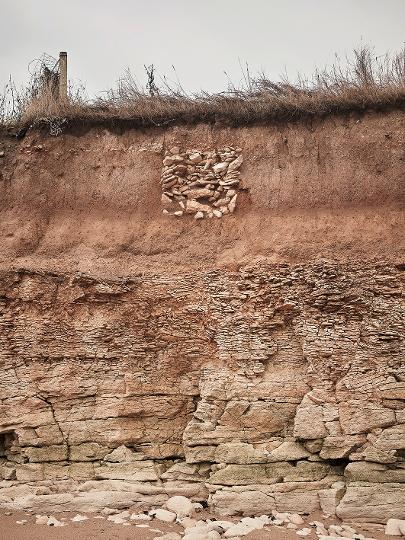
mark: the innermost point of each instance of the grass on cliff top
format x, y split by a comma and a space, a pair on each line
366, 83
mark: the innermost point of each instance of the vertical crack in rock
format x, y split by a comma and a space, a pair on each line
64, 436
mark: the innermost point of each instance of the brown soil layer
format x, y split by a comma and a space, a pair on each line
91, 201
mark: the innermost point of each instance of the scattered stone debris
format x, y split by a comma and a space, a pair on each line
182, 511
201, 183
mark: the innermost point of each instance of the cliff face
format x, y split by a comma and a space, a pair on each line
254, 360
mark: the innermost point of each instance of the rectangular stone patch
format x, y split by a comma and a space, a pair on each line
201, 183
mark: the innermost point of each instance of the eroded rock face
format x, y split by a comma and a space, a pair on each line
271, 387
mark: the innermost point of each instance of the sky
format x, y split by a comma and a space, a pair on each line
202, 39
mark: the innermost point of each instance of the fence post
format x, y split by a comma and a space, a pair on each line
63, 76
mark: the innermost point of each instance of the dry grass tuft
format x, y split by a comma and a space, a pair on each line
363, 84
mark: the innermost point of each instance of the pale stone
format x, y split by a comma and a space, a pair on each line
235, 164
372, 502
199, 215
30, 472
229, 503
281, 516
140, 517
182, 506
232, 204
194, 206
295, 518
373, 472
302, 501
195, 157
219, 525
198, 193
41, 520
303, 532
256, 523
195, 536
79, 517
251, 474
187, 522
119, 518
163, 515
239, 529
395, 527
200, 528
330, 498
307, 471
335, 529
220, 167
167, 201
53, 522
108, 511
374, 454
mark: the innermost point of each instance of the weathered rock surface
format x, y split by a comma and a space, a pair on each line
238, 387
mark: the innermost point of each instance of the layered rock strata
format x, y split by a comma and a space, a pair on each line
267, 387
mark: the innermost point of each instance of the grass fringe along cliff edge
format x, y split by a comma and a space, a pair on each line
365, 83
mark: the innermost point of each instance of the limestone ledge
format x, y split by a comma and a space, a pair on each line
271, 387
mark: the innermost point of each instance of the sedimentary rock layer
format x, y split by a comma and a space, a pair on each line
271, 387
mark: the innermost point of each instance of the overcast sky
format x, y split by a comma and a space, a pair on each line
200, 38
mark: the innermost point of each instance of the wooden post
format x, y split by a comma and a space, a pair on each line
62, 76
